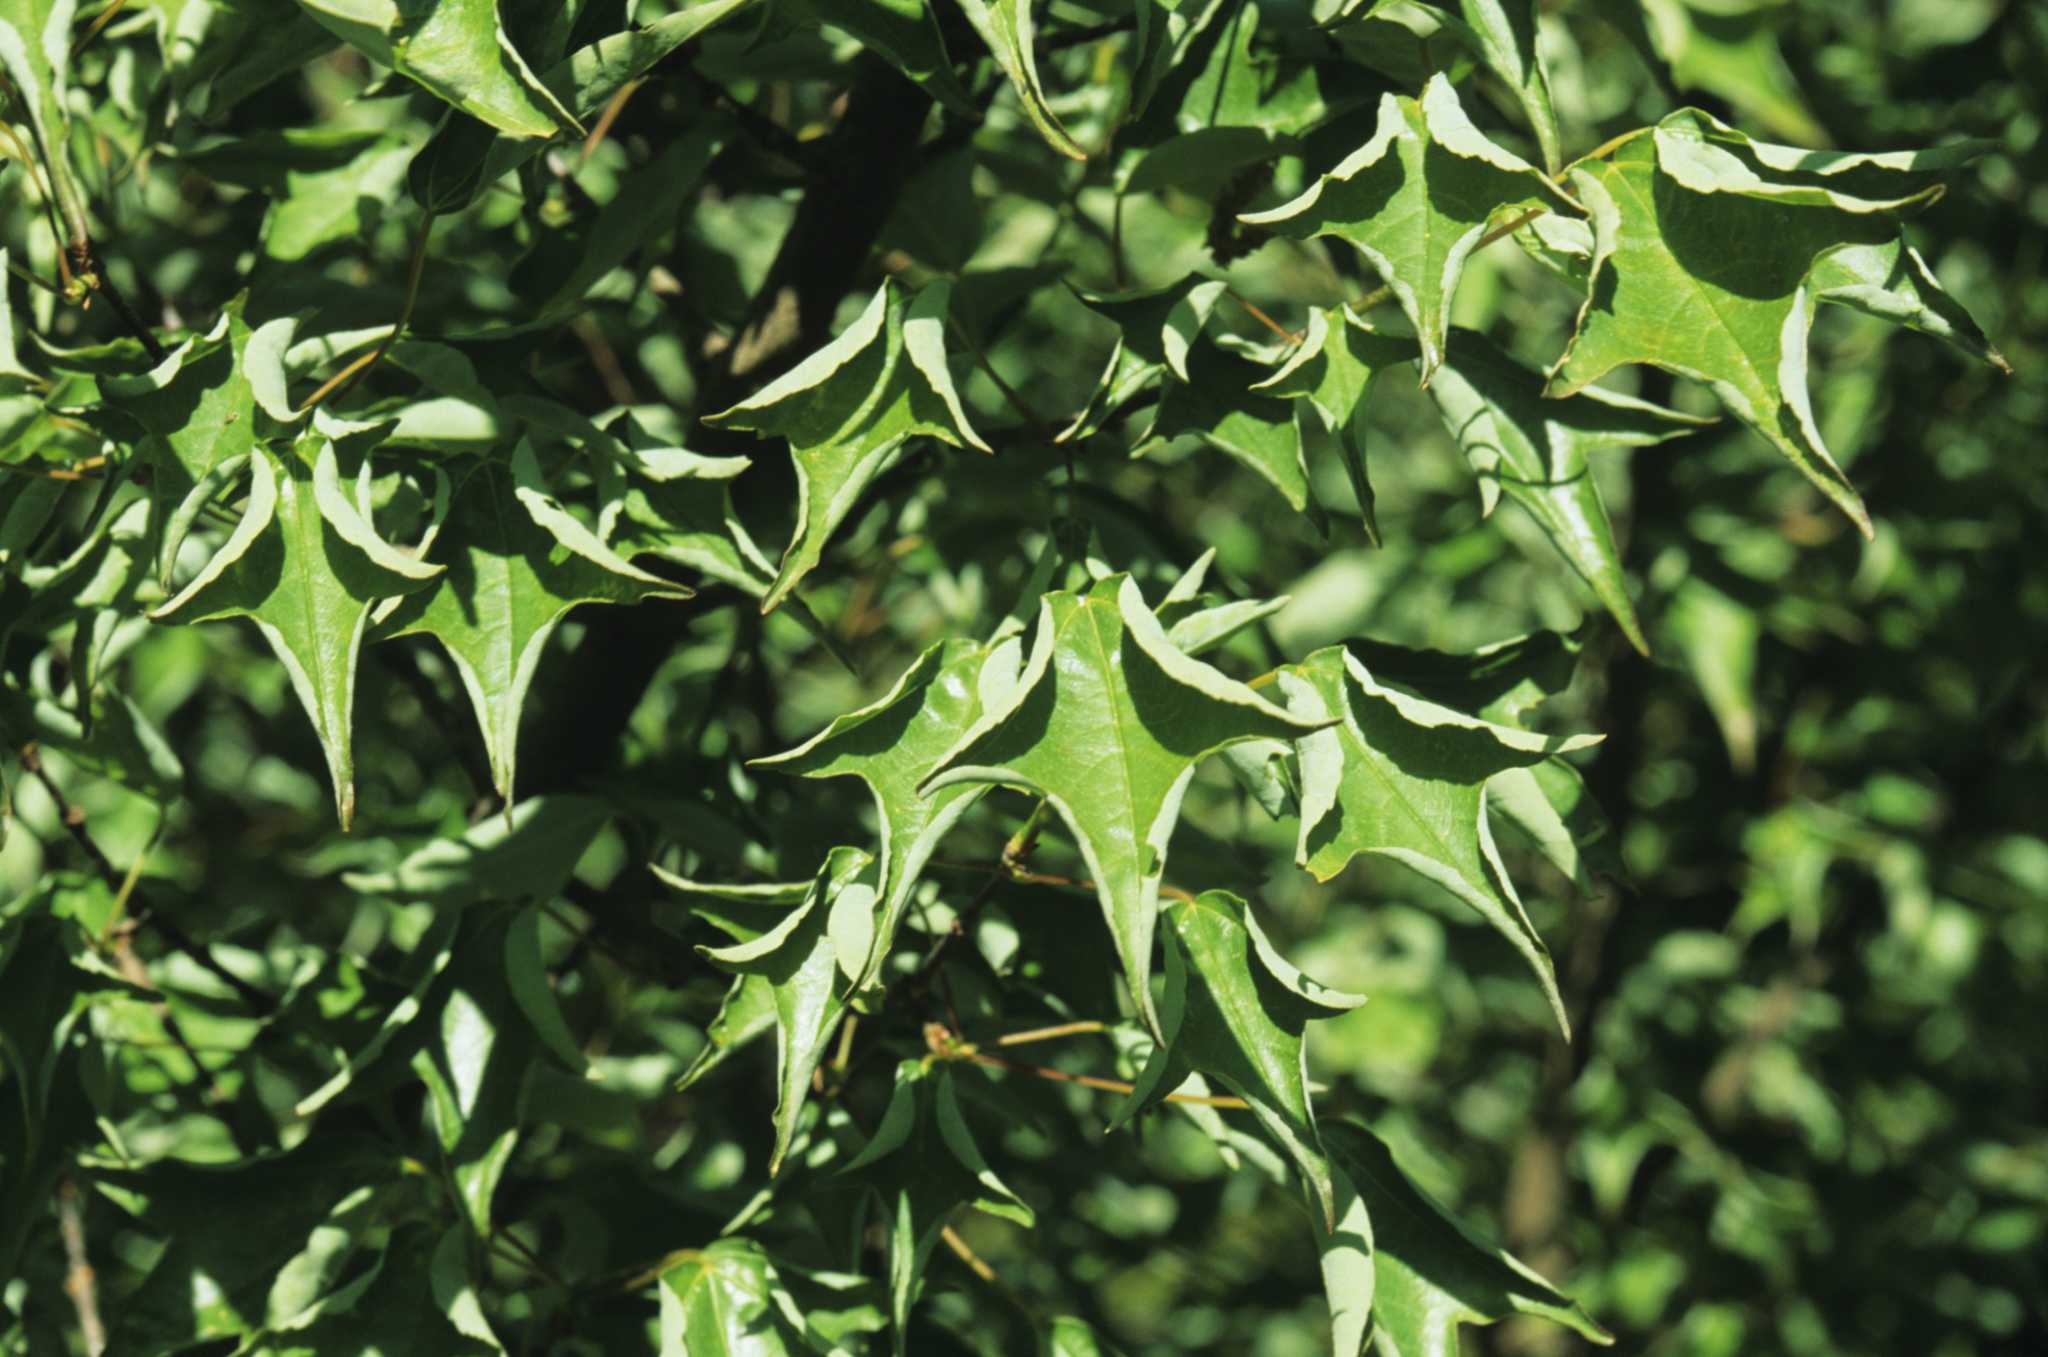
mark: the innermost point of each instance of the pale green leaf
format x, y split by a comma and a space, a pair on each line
1005, 25
1536, 451
1332, 369
1404, 778
1240, 1019
1429, 1274
1415, 200
456, 48
308, 591
1108, 721
924, 1164
847, 411
891, 745
1506, 30
799, 960
508, 584
1716, 286
725, 1300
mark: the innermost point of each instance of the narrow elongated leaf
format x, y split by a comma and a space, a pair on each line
1108, 722
1405, 778
1714, 276
1536, 451
1414, 201
848, 409
35, 52
307, 588
509, 582
1430, 1275
1005, 25
1506, 30
891, 745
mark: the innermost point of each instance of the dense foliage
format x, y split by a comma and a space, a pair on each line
853, 676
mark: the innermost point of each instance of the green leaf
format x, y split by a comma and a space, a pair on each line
801, 957
35, 52
905, 33
725, 1300
465, 155
1405, 778
456, 48
1005, 25
1156, 330
1241, 1017
1067, 1336
1430, 1274
891, 745
526, 854
510, 579
1415, 201
1219, 404
1102, 678
924, 1164
305, 566
1506, 30
1333, 370
1720, 285
1536, 451
848, 409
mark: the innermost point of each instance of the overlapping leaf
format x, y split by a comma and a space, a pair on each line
1415, 201
924, 1165
1709, 255
1235, 1013
1405, 778
849, 408
809, 954
1535, 450
1429, 1275
515, 566
305, 564
1108, 721
891, 745
456, 48
1332, 369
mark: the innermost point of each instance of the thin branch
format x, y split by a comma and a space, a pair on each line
1094, 1081
975, 1263
1065, 1029
79, 1283
348, 376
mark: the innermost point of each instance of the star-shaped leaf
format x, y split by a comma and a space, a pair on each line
891, 745
512, 575
1332, 369
1235, 1013
1108, 722
1429, 1275
849, 408
1711, 269
1005, 25
1219, 404
306, 566
1506, 34
809, 954
1405, 778
1535, 450
1414, 201
924, 1164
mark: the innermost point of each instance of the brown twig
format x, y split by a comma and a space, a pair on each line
975, 1262
350, 375
1253, 310
602, 128
1091, 1080
1065, 1029
79, 1282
